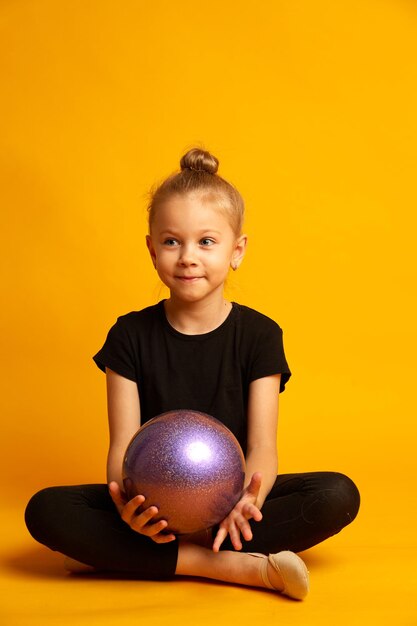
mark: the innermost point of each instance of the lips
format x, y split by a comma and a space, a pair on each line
188, 278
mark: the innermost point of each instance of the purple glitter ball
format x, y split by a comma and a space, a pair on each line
189, 465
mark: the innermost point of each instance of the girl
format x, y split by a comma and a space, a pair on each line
196, 350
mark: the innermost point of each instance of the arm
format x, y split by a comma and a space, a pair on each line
261, 461
123, 408
262, 455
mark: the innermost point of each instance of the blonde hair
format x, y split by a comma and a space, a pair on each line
198, 175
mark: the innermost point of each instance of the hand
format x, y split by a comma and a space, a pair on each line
237, 520
139, 522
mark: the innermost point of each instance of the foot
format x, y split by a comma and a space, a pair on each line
285, 572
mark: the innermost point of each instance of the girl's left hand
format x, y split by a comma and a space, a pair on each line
237, 520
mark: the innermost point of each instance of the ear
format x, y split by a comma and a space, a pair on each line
151, 249
239, 251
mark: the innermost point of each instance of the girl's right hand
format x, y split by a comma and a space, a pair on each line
139, 522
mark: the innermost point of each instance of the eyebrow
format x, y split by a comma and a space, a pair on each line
204, 230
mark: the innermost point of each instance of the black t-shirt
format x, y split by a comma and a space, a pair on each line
210, 372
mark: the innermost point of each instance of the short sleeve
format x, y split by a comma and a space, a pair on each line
117, 352
269, 356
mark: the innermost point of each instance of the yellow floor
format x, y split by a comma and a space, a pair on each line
351, 584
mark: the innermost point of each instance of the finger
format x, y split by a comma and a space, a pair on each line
244, 528
240, 519
142, 522
151, 529
251, 511
255, 484
234, 533
129, 510
142, 518
118, 496
116, 493
163, 538
243, 525
218, 540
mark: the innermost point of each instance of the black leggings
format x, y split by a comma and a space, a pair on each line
82, 522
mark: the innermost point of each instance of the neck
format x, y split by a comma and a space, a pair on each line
196, 318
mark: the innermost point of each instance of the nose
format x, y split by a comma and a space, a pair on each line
188, 255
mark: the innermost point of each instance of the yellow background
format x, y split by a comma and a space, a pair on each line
311, 109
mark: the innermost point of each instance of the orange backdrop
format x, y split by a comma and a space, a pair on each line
311, 109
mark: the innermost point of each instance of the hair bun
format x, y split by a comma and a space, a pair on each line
200, 161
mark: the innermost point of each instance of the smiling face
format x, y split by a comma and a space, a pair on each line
192, 246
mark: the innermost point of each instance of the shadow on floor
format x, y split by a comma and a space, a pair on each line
316, 558
36, 561
40, 562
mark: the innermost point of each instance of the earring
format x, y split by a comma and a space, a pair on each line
234, 267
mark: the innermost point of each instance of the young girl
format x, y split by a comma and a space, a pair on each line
195, 350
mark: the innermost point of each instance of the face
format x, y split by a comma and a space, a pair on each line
192, 246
